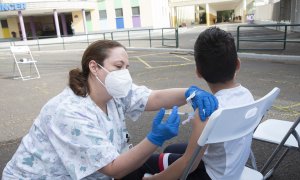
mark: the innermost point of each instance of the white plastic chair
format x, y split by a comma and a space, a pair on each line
233, 123
283, 133
22, 56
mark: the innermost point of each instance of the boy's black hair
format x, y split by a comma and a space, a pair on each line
215, 55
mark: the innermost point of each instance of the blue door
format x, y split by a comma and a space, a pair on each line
120, 23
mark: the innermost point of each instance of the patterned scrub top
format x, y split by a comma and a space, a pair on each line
72, 137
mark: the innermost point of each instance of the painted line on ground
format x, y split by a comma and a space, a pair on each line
144, 62
149, 54
183, 58
172, 65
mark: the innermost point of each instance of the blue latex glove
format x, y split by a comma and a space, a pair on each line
162, 131
203, 101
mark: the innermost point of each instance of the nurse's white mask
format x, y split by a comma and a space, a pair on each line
117, 83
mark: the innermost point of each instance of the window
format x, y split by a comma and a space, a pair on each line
88, 15
4, 24
135, 11
119, 12
102, 14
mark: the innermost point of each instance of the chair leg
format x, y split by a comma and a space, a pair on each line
270, 172
291, 131
253, 160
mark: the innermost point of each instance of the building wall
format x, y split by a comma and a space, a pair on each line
111, 15
12, 23
185, 15
160, 14
153, 14
286, 9
103, 23
127, 14
295, 14
95, 20
268, 12
211, 15
1, 33
278, 11
49, 5
78, 22
146, 10
238, 11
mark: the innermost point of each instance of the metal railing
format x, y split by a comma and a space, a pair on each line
162, 37
281, 39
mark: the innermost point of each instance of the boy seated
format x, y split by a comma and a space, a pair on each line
217, 63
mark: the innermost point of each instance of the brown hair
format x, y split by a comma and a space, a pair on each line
97, 51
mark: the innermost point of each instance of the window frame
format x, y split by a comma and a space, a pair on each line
139, 12
101, 17
122, 15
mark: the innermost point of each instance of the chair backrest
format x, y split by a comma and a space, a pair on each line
236, 122
19, 49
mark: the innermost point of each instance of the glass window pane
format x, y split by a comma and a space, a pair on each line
135, 11
88, 15
102, 14
4, 24
119, 12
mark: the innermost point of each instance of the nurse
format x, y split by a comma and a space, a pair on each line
81, 133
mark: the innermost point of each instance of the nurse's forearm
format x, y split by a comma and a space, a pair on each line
166, 98
130, 160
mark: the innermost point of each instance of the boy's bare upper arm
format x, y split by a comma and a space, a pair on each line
197, 128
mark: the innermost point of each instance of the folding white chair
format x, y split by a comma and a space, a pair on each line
283, 133
233, 123
22, 56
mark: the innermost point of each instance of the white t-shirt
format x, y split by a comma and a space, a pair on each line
72, 137
226, 161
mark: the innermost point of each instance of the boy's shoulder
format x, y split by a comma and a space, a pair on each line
236, 96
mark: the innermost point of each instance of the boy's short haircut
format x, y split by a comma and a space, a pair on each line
215, 55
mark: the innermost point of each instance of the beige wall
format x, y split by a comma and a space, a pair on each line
127, 13
146, 10
173, 16
185, 15
239, 11
78, 22
211, 15
160, 14
13, 25
111, 16
95, 20
1, 34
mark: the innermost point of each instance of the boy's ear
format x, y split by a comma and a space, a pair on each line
198, 73
238, 65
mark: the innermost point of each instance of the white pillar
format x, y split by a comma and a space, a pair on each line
174, 17
207, 15
21, 21
84, 21
244, 11
56, 23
